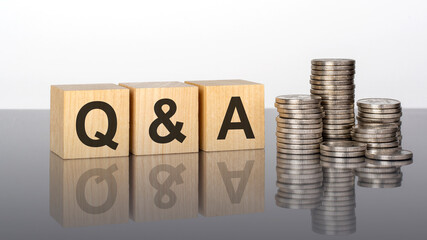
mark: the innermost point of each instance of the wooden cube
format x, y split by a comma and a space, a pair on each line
164, 187
89, 121
164, 118
231, 115
91, 191
231, 182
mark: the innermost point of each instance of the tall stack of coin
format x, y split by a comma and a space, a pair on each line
342, 154
299, 134
333, 80
379, 127
336, 215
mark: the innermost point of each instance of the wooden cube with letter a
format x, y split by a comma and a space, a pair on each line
91, 191
89, 120
231, 115
231, 182
164, 118
164, 186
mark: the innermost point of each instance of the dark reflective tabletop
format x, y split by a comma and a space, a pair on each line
43, 196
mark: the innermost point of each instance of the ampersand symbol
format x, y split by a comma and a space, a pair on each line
164, 118
101, 175
164, 188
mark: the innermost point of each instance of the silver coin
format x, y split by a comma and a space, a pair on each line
301, 116
335, 131
339, 111
333, 73
297, 106
399, 163
338, 121
338, 127
315, 157
349, 97
338, 179
377, 120
298, 146
341, 154
332, 92
380, 115
339, 116
378, 103
303, 111
358, 159
297, 99
300, 126
333, 87
300, 131
374, 140
333, 62
299, 176
319, 217
338, 107
332, 68
377, 170
348, 82
343, 146
299, 136
327, 104
299, 181
379, 110
299, 186
378, 135
379, 185
299, 141
297, 151
297, 166
342, 165
389, 155
377, 130
298, 121
382, 145
332, 137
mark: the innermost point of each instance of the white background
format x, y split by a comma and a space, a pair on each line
272, 42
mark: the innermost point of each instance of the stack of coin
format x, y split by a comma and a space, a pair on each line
374, 115
342, 154
336, 215
299, 134
379, 127
333, 80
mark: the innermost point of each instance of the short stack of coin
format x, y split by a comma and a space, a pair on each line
342, 154
379, 127
333, 80
375, 116
299, 134
336, 215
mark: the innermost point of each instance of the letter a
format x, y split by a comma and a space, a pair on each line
235, 103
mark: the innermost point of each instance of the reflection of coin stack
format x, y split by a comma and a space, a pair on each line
333, 80
336, 215
299, 134
342, 154
379, 127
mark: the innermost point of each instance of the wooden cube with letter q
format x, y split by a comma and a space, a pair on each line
89, 120
164, 118
231, 115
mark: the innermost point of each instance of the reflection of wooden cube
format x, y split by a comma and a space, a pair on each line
153, 133
87, 192
231, 182
164, 187
231, 115
89, 120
